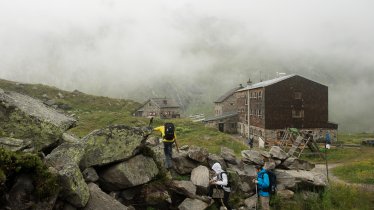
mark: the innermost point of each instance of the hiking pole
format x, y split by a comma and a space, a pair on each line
176, 145
256, 197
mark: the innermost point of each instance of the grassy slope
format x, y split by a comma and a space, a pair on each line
94, 112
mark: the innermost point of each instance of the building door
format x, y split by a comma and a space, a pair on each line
220, 127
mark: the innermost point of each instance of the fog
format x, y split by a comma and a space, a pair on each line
193, 50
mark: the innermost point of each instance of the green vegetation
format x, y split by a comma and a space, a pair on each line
335, 197
12, 164
357, 162
354, 138
357, 172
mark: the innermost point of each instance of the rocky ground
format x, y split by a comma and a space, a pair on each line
121, 167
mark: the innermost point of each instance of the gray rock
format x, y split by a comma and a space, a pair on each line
102, 201
136, 171
297, 164
153, 141
65, 159
285, 194
184, 147
252, 156
251, 202
16, 145
183, 164
185, 187
278, 153
307, 177
90, 175
265, 154
269, 165
24, 117
197, 153
213, 158
228, 155
195, 204
284, 180
111, 144
67, 137
200, 178
50, 102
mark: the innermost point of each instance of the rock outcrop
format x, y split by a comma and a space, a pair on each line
136, 171
102, 201
23, 117
111, 144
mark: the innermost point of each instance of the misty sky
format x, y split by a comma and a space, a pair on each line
117, 47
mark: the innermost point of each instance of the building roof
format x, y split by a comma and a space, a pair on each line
160, 103
223, 116
227, 94
266, 83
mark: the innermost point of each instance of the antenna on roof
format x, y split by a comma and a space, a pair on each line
249, 82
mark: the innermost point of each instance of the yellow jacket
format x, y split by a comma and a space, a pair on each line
162, 130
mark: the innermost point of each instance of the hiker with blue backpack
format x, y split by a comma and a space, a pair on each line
168, 138
266, 185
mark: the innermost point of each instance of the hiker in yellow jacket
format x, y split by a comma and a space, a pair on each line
168, 138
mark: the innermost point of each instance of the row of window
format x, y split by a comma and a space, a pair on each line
164, 113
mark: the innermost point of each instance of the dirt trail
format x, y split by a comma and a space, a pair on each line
322, 168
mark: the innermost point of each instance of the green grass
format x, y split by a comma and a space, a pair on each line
354, 138
357, 172
335, 197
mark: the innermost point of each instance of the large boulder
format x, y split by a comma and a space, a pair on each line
228, 155
194, 204
252, 156
200, 178
213, 158
65, 159
297, 164
185, 187
183, 164
136, 171
307, 177
277, 153
285, 194
284, 180
102, 201
23, 117
197, 153
251, 202
111, 144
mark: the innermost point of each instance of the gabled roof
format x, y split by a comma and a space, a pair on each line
266, 83
160, 103
223, 116
227, 94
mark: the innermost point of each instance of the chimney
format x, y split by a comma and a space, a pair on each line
249, 83
240, 85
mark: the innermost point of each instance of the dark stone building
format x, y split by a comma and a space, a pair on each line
159, 107
265, 109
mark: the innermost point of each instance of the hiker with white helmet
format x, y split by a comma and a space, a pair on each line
220, 181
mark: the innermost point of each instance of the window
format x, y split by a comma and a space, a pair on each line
259, 113
246, 101
297, 95
255, 94
246, 118
251, 111
297, 113
232, 104
259, 94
